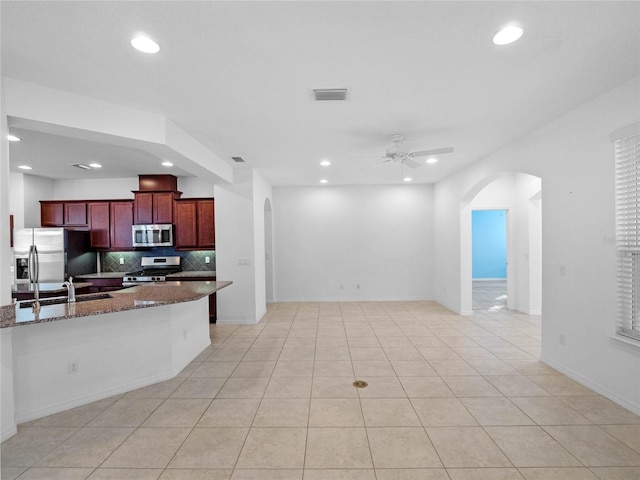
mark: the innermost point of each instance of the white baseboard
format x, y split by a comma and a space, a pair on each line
623, 402
8, 433
23, 417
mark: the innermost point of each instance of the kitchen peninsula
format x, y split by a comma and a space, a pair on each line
67, 354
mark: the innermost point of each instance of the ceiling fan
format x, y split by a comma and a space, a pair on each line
399, 153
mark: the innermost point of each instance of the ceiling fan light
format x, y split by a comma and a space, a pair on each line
325, 163
95, 165
507, 35
324, 180
167, 163
432, 160
407, 179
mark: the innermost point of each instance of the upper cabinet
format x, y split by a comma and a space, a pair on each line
99, 225
153, 207
153, 203
206, 223
71, 213
109, 221
110, 224
195, 223
120, 225
51, 214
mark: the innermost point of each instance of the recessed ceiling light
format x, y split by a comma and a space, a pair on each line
324, 180
432, 160
325, 163
24, 167
167, 164
407, 179
95, 165
507, 35
145, 44
12, 138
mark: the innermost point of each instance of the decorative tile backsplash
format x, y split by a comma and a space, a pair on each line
191, 261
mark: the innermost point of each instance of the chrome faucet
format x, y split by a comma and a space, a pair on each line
71, 295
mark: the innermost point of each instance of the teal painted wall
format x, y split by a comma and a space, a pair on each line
489, 243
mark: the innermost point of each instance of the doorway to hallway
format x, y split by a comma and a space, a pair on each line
489, 259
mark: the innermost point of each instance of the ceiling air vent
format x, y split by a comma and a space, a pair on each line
339, 94
237, 159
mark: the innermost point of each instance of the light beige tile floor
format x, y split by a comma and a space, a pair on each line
449, 398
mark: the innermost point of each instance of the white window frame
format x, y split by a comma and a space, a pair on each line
627, 174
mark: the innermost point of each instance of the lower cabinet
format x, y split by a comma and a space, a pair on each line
212, 298
103, 284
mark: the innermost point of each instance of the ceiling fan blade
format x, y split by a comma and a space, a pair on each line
410, 163
375, 164
435, 151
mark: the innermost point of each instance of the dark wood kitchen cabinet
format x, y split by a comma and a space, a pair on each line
99, 225
153, 207
51, 214
213, 307
75, 214
72, 214
121, 223
102, 284
186, 231
206, 223
194, 223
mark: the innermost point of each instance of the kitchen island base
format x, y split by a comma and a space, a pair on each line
65, 364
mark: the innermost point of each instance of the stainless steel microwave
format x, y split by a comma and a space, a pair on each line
153, 235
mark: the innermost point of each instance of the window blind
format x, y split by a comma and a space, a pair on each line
627, 153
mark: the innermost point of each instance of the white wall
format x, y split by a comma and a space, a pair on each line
36, 189
98, 189
575, 159
328, 240
235, 245
7, 409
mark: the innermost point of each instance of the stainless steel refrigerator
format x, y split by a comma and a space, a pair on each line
60, 253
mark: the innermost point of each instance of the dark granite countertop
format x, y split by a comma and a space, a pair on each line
197, 273
46, 287
141, 296
102, 275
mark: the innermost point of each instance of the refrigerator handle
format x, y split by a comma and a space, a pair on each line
34, 262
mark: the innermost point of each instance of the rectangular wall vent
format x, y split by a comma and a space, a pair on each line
339, 94
238, 159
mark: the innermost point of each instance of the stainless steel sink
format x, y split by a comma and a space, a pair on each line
60, 300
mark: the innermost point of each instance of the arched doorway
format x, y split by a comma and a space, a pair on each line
519, 195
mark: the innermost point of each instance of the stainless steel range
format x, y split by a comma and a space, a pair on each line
154, 269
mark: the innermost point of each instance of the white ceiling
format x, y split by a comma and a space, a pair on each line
238, 77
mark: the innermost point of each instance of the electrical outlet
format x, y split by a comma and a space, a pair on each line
73, 367
207, 260
562, 339
121, 260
